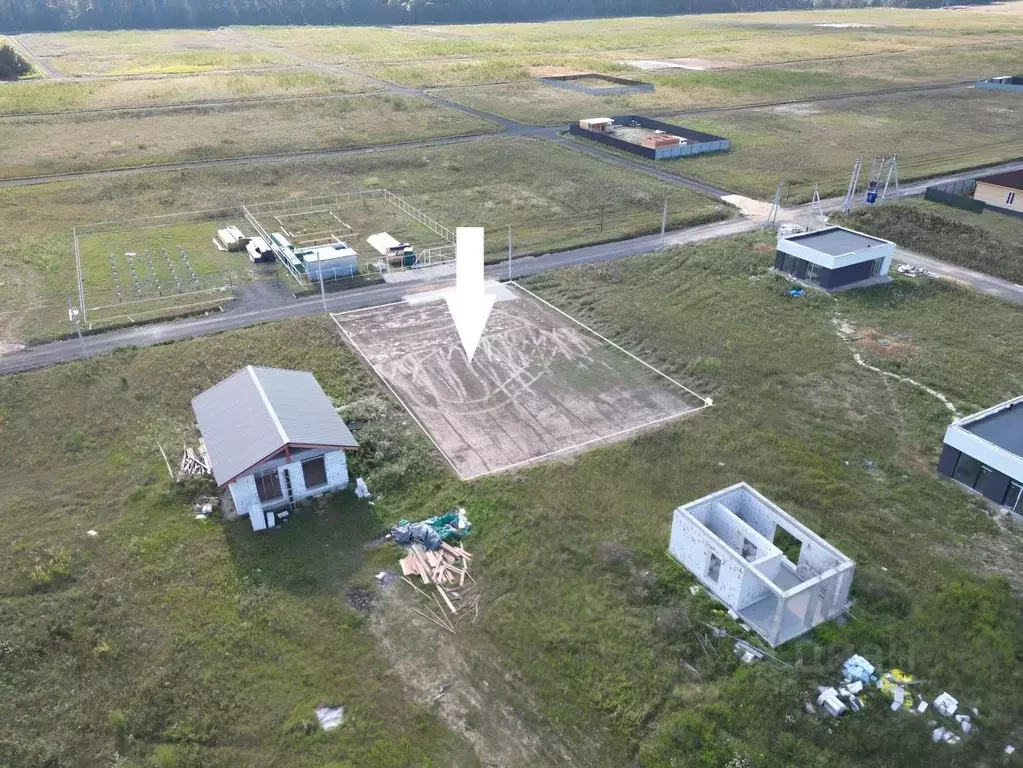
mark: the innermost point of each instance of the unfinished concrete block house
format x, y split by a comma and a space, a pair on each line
984, 452
779, 576
273, 438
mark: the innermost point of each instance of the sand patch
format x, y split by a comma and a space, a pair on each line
880, 345
664, 65
800, 110
559, 72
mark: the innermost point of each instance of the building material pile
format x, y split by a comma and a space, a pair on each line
448, 565
859, 675
447, 569
195, 462
433, 561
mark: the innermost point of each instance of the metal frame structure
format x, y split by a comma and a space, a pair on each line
251, 212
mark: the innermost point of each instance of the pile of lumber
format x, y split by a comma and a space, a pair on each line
437, 567
447, 569
195, 462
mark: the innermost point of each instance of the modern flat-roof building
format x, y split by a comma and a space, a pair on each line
1010, 83
984, 452
1001, 190
273, 438
739, 545
835, 258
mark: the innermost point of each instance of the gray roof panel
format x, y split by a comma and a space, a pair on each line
256, 412
836, 241
1004, 428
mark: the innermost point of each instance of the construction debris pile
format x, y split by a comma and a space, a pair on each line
195, 462
913, 271
430, 558
858, 675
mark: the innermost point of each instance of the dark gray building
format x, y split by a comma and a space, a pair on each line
835, 258
984, 452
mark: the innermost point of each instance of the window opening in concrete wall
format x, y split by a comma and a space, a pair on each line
813, 273
714, 567
1014, 497
749, 550
315, 472
268, 486
787, 543
875, 267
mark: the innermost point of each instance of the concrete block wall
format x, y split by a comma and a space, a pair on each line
246, 501
814, 560
246, 498
692, 545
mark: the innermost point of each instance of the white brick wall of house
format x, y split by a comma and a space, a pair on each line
261, 515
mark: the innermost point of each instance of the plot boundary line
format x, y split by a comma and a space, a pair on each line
612, 437
391, 389
706, 401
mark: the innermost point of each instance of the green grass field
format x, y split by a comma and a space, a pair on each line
41, 145
158, 52
806, 144
63, 95
141, 263
174, 626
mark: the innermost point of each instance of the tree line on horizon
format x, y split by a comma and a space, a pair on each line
59, 15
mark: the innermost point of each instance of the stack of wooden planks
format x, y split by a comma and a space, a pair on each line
195, 462
440, 567
448, 570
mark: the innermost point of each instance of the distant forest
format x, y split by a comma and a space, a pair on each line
55, 15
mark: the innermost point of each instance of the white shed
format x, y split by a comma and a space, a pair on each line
273, 438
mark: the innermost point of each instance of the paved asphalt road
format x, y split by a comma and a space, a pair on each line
981, 282
146, 335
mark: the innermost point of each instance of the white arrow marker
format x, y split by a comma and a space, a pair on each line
469, 305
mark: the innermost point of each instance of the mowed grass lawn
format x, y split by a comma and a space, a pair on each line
804, 144
52, 144
138, 52
65, 95
529, 101
205, 644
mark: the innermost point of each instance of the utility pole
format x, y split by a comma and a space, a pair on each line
72, 316
323, 291
664, 222
601, 217
509, 252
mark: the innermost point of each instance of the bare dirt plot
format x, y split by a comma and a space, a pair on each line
541, 385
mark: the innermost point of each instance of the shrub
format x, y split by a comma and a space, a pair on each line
12, 66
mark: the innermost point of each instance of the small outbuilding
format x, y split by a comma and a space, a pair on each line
329, 262
1010, 83
984, 452
835, 258
599, 124
1001, 190
776, 574
273, 438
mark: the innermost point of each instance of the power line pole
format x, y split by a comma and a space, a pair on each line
73, 317
509, 252
664, 222
602, 217
323, 291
